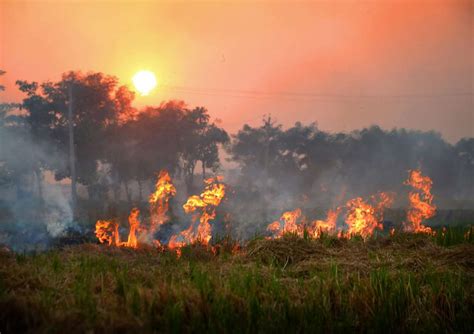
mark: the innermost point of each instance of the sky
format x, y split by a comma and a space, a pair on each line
342, 64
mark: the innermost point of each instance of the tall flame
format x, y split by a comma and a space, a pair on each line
134, 226
107, 231
159, 200
421, 202
204, 206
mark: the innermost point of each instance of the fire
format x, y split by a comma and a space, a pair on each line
363, 218
173, 243
287, 224
204, 206
318, 227
421, 206
107, 231
159, 200
134, 226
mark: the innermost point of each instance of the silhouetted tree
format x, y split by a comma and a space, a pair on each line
363, 162
98, 104
155, 141
201, 141
14, 163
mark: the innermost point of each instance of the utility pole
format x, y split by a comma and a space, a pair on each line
72, 154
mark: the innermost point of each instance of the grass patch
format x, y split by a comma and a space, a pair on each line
404, 283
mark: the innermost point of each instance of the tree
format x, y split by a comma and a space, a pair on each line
208, 150
98, 104
158, 136
465, 156
169, 137
13, 164
201, 141
259, 150
2, 72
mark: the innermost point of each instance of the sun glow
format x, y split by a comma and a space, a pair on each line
144, 82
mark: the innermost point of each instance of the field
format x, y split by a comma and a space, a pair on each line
401, 283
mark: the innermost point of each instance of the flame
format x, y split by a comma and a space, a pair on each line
286, 224
134, 226
159, 200
421, 206
176, 245
318, 227
363, 218
204, 206
107, 232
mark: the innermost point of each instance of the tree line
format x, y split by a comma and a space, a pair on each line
115, 141
107, 130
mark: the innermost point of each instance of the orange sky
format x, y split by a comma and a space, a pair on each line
343, 64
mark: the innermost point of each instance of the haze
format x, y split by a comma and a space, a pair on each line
344, 64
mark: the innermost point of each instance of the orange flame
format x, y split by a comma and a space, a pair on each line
286, 224
318, 227
173, 243
134, 226
363, 218
205, 204
421, 206
159, 200
107, 231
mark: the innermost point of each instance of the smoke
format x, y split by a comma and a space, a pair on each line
34, 209
361, 164
324, 175
58, 217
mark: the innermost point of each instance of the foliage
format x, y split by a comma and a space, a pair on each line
98, 104
118, 145
12, 130
115, 143
321, 165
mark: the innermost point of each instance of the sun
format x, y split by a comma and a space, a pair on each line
144, 82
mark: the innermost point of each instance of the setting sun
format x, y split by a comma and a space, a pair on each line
144, 82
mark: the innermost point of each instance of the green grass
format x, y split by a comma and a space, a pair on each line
404, 283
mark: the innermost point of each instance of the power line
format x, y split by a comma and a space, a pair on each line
294, 95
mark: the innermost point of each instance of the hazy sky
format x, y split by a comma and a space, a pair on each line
342, 64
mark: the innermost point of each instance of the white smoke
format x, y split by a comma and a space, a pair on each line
58, 216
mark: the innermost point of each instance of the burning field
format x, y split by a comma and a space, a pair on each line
347, 272
236, 166
313, 232
363, 217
